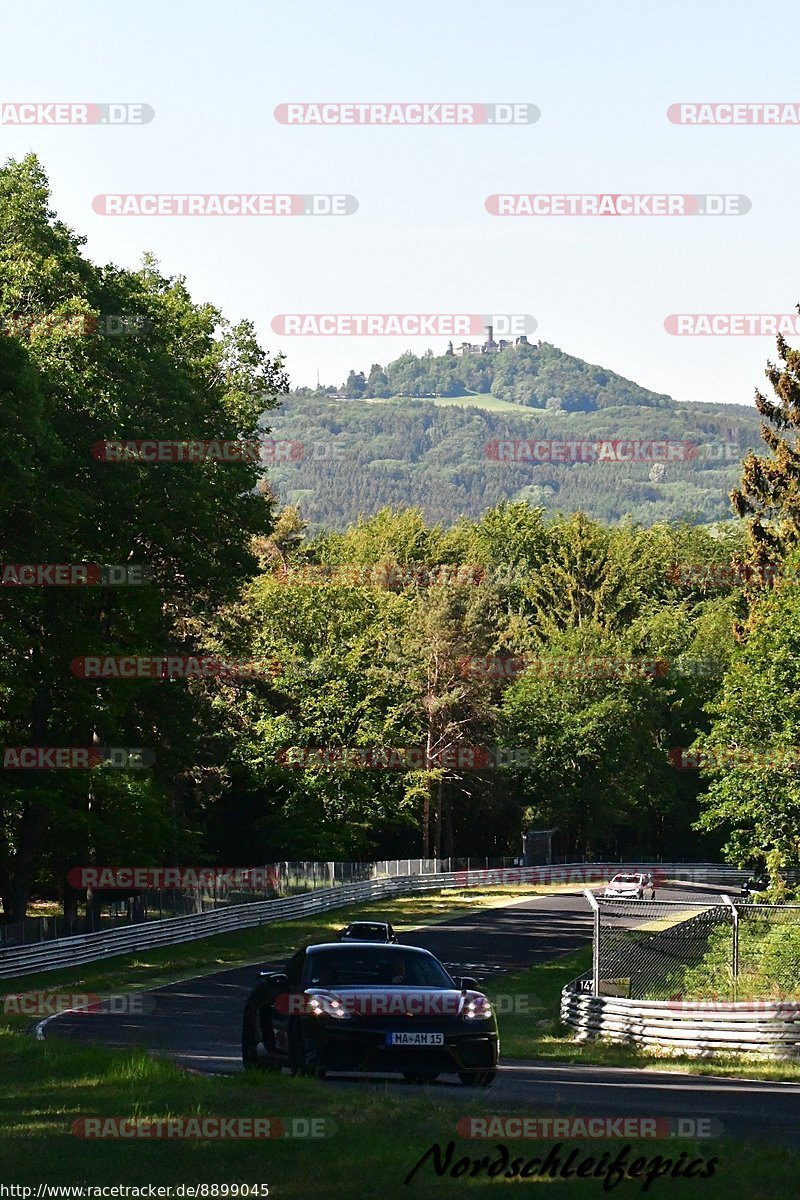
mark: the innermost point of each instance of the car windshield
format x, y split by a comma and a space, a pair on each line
372, 967
363, 930
625, 879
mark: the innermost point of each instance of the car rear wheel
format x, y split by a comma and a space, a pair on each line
477, 1078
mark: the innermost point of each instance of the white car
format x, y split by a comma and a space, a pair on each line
630, 887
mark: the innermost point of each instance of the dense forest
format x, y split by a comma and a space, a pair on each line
346, 458
433, 675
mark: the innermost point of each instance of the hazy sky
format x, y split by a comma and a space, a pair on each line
603, 76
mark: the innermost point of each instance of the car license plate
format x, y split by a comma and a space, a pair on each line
415, 1039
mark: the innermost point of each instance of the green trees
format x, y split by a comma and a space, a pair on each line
179, 372
750, 757
394, 634
355, 385
752, 753
594, 769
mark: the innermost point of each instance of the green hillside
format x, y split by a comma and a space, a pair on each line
356, 451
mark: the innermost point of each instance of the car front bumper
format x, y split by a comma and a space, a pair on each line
366, 1048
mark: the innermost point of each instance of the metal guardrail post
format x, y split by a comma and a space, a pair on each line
595, 907
735, 931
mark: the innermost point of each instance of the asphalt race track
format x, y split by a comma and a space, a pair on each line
197, 1023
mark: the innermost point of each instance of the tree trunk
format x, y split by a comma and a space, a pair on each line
19, 873
437, 845
426, 803
447, 828
71, 899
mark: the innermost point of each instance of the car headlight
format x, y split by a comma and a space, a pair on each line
477, 1008
327, 1006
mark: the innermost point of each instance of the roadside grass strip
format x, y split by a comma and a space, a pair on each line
374, 1138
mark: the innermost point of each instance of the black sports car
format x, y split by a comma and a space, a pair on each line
364, 1006
368, 931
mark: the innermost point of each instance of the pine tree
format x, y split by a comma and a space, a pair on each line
769, 493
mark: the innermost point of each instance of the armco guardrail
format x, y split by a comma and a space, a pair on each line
215, 887
770, 1029
89, 947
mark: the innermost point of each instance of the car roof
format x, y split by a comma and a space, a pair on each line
368, 925
360, 947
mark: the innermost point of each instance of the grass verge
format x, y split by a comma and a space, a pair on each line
377, 1137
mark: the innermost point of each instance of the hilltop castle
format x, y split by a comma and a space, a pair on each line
490, 346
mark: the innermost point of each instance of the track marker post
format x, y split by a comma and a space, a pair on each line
595, 907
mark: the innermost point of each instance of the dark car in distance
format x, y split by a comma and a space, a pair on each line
756, 886
368, 931
363, 1006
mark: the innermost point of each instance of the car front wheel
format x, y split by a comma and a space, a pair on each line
300, 1061
255, 1045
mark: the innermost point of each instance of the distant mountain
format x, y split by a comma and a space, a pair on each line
547, 427
529, 374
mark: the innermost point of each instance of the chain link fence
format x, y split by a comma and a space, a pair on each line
219, 889
716, 949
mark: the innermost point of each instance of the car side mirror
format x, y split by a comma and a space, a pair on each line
278, 979
468, 982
